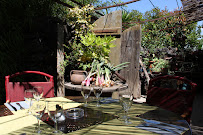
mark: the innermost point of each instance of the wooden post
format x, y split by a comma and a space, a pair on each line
60, 59
130, 52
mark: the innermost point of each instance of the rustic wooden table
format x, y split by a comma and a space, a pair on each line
117, 87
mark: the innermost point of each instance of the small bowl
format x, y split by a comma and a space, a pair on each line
75, 113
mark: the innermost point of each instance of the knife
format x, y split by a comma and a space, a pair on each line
12, 106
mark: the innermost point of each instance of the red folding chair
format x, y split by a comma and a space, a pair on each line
173, 93
15, 90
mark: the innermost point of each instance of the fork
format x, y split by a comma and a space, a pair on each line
20, 106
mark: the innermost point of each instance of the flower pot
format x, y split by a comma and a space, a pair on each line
77, 76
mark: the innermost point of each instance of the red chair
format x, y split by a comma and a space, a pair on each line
15, 90
173, 93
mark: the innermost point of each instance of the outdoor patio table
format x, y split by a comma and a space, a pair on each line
140, 114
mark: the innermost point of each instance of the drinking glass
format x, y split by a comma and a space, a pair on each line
28, 96
85, 91
38, 113
38, 93
97, 92
56, 114
126, 100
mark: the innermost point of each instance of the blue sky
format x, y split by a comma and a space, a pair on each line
145, 5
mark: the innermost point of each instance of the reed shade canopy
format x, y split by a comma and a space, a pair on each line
193, 10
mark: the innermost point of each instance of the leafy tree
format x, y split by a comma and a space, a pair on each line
164, 33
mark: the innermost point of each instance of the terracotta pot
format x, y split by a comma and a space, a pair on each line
77, 76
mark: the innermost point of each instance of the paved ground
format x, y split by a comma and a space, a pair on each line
197, 114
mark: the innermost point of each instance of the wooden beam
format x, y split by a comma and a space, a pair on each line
175, 14
106, 31
100, 8
77, 3
64, 4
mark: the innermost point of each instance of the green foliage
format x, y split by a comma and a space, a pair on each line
94, 47
159, 64
170, 32
129, 18
86, 45
80, 18
90, 47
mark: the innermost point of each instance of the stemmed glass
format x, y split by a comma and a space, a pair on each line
38, 112
28, 96
126, 100
56, 114
38, 94
85, 93
97, 92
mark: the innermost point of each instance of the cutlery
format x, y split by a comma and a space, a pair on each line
20, 106
12, 106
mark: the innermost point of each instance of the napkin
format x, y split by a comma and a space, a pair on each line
63, 102
22, 103
161, 127
108, 100
21, 119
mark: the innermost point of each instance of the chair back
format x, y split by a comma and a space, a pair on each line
173, 93
15, 90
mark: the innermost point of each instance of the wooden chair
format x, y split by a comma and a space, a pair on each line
15, 90
173, 93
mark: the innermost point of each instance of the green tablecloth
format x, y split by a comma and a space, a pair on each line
115, 126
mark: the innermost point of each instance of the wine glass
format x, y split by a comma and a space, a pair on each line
56, 113
38, 112
97, 92
126, 100
85, 91
38, 93
28, 96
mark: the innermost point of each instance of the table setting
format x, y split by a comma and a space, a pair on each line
30, 113
91, 114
